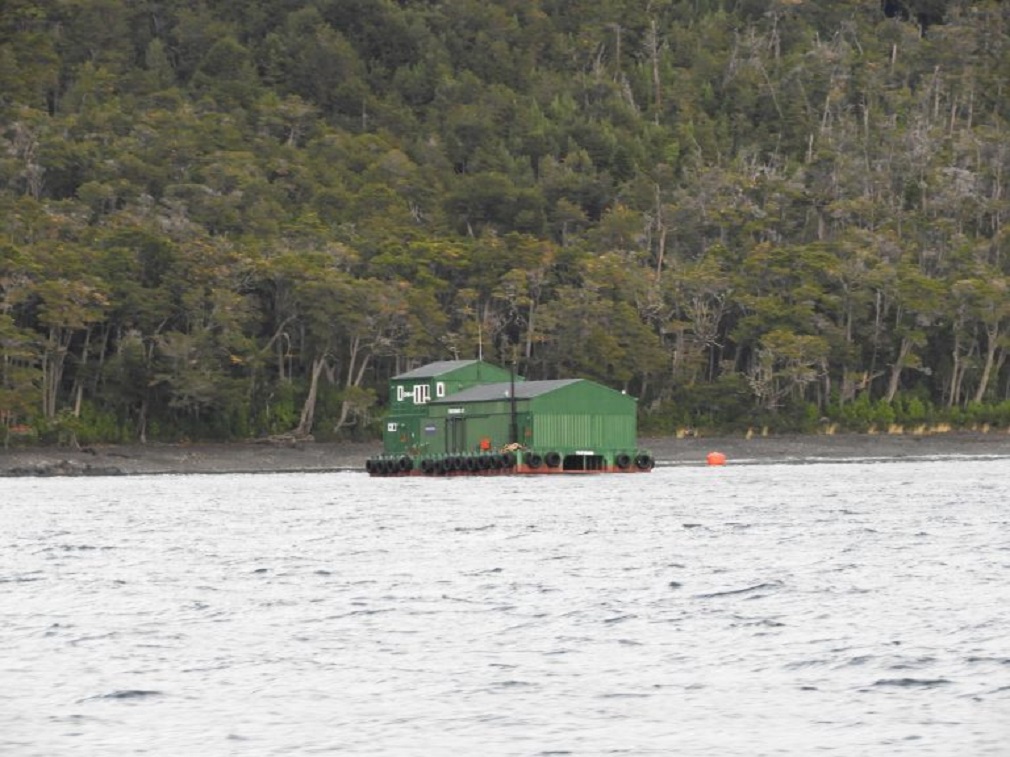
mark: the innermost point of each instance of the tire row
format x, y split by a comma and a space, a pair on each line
391, 466
399, 466
535, 460
642, 461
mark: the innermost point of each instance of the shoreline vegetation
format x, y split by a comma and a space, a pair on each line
684, 449
234, 220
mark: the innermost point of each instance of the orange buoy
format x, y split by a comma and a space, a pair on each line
716, 458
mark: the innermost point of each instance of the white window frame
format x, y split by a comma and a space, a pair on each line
422, 393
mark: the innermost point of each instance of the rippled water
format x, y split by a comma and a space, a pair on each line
857, 609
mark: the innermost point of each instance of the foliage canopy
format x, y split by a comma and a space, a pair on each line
227, 219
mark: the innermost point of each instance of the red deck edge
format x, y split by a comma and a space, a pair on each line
520, 470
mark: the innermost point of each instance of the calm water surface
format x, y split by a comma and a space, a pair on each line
842, 609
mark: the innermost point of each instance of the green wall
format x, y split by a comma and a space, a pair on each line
580, 416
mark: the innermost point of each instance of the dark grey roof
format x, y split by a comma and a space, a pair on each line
524, 391
437, 368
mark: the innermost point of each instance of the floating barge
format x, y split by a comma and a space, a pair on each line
471, 418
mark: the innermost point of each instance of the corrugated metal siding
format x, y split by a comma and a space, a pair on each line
478, 421
583, 416
578, 416
569, 431
411, 417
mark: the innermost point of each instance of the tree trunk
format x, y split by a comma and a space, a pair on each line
142, 423
282, 342
899, 364
956, 370
345, 406
992, 334
826, 374
657, 89
309, 408
354, 349
660, 235
53, 361
79, 381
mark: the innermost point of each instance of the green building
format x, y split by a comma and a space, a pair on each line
407, 430
569, 424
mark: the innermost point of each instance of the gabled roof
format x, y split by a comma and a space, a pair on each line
524, 390
438, 368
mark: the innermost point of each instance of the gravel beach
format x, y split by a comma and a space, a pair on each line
311, 456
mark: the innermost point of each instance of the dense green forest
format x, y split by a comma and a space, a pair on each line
225, 219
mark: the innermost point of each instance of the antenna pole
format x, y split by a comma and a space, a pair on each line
514, 426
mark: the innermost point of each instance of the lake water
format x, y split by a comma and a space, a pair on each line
841, 609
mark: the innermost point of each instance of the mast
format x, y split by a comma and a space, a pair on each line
513, 425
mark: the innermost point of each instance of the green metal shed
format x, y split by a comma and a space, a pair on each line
410, 393
585, 424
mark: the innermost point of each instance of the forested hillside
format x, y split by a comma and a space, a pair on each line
227, 219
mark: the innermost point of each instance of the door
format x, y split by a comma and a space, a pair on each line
455, 433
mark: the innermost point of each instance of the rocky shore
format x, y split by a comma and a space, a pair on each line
280, 457
153, 459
